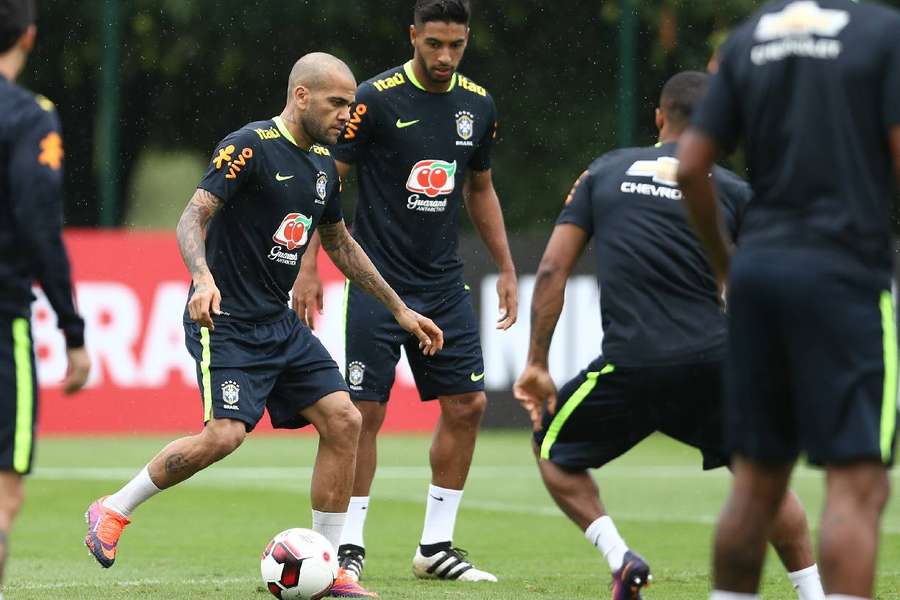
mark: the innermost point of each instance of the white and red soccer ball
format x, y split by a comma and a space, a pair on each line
299, 564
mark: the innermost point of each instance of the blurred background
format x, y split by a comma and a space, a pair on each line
146, 88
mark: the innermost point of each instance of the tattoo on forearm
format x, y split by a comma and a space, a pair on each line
191, 230
353, 262
176, 464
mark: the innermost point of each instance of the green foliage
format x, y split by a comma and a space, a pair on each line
193, 71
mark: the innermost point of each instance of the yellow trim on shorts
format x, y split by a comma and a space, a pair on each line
889, 397
205, 359
24, 396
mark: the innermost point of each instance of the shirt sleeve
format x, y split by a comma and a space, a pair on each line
361, 128
891, 96
579, 208
333, 213
233, 163
481, 159
36, 196
719, 114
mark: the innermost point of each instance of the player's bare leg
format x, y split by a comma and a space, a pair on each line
338, 422
451, 453
848, 539
453, 443
352, 551
108, 516
187, 456
12, 494
746, 522
577, 495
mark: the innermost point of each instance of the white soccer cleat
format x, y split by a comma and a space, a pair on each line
449, 564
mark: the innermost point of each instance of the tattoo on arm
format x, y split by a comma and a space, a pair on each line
191, 230
356, 265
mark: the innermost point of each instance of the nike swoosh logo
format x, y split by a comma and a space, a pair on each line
280, 177
438, 498
475, 377
403, 124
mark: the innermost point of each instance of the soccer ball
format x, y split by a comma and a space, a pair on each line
299, 564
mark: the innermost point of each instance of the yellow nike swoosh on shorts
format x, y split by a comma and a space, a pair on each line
475, 377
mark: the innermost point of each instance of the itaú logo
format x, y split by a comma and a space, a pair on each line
432, 177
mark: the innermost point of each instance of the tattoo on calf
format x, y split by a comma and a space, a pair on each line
176, 463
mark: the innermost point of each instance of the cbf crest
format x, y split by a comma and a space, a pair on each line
321, 185
231, 392
465, 124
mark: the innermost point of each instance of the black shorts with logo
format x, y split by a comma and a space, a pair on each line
374, 339
813, 358
18, 395
245, 368
606, 410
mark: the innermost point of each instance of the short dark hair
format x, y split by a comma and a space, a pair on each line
682, 94
15, 17
448, 11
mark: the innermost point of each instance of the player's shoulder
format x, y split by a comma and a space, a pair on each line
385, 84
22, 106
621, 159
466, 84
731, 184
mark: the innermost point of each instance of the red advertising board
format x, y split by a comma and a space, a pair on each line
131, 287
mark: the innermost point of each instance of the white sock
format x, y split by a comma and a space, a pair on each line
133, 494
440, 515
807, 583
603, 534
719, 595
330, 525
356, 521
843, 597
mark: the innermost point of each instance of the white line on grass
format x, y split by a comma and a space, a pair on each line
130, 583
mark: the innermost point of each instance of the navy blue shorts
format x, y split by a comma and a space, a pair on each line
813, 358
245, 368
607, 410
374, 339
18, 395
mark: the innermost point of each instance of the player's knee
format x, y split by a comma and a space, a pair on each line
344, 424
224, 438
865, 487
465, 409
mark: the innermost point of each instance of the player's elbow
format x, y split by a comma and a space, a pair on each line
550, 274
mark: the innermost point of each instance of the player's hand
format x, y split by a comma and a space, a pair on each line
205, 302
431, 338
534, 389
508, 292
77, 371
307, 296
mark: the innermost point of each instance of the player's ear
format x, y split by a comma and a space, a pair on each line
412, 35
660, 119
301, 96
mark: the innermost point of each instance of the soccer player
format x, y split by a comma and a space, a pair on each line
268, 186
421, 137
813, 90
31, 248
663, 339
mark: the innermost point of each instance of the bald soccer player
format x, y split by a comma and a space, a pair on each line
269, 185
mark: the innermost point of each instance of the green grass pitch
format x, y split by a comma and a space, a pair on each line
203, 539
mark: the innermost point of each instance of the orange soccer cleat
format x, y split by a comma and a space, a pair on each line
104, 528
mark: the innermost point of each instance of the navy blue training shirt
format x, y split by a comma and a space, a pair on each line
812, 88
659, 303
412, 149
275, 193
31, 210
